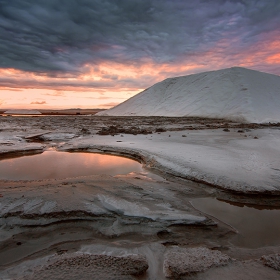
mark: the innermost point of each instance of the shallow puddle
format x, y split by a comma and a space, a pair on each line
59, 165
256, 228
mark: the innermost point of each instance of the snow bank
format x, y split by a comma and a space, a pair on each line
234, 93
226, 160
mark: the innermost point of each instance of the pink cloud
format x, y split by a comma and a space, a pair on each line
108, 105
38, 102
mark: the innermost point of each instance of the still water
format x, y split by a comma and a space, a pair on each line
59, 165
256, 228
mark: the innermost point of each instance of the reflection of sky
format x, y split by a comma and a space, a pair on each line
257, 228
99, 53
53, 165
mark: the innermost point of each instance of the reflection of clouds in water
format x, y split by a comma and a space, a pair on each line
256, 227
53, 165
106, 162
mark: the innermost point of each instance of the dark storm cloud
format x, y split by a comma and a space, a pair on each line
61, 36
63, 84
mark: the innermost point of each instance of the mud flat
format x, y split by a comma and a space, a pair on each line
151, 223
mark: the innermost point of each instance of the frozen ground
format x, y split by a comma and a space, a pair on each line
228, 160
137, 214
237, 157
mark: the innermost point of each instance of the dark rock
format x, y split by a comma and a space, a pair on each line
160, 129
272, 261
114, 130
85, 131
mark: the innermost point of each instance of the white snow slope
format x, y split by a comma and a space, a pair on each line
235, 93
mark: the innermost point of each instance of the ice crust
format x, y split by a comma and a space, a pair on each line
160, 212
234, 93
186, 261
121, 206
81, 266
225, 160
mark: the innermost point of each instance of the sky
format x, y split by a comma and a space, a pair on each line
98, 53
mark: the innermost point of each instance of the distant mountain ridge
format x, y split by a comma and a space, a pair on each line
22, 112
234, 93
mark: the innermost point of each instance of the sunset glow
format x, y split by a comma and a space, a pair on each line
53, 56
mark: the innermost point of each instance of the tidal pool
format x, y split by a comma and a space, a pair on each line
256, 228
59, 165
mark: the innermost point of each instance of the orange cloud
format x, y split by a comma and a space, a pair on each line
39, 102
109, 105
116, 82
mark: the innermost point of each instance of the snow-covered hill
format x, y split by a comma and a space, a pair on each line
234, 93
